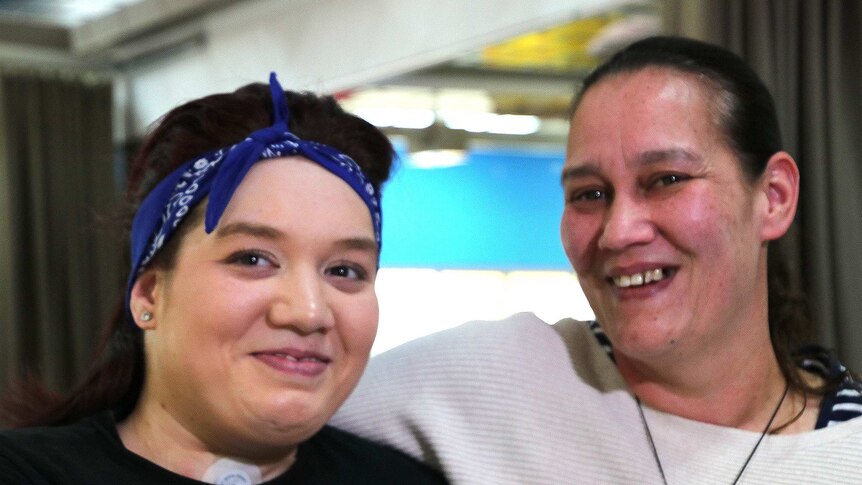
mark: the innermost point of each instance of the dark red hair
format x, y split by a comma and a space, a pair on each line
116, 377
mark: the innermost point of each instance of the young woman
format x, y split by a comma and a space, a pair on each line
249, 313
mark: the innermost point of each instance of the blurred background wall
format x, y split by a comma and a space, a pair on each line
473, 94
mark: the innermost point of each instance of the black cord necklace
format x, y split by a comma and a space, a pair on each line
747, 460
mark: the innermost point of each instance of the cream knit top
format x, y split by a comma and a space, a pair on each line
523, 402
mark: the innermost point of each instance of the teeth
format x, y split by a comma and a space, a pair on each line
638, 279
285, 356
294, 359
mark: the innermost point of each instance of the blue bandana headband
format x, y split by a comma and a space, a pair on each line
218, 174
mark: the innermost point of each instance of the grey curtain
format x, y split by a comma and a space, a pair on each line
59, 270
809, 52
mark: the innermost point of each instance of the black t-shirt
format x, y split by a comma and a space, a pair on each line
91, 452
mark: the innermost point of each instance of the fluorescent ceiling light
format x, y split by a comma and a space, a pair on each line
416, 108
491, 123
411, 118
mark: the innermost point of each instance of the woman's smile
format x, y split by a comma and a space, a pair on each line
295, 362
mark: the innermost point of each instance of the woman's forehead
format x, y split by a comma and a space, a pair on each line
641, 118
294, 193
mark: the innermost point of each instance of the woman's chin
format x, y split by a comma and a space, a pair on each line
643, 340
276, 429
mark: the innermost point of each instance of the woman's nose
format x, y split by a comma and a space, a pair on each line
628, 222
301, 302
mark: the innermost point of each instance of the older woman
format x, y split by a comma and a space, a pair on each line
675, 188
249, 314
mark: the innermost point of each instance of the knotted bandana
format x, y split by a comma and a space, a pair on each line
217, 174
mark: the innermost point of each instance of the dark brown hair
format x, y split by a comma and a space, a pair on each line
116, 377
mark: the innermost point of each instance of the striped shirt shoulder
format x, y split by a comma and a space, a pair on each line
845, 402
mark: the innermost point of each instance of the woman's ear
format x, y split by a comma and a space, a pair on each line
780, 183
144, 297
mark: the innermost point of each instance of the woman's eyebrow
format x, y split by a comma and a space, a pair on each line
670, 154
267, 232
648, 157
249, 229
585, 170
358, 243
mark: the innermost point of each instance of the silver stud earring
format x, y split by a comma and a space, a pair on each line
146, 316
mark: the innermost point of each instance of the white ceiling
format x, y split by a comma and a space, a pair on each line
65, 13
115, 34
91, 30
